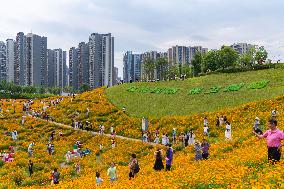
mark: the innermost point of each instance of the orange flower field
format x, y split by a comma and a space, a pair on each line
237, 163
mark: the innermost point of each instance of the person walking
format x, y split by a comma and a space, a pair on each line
273, 138
186, 139
228, 131
133, 167
169, 157
198, 150
112, 172
217, 121
31, 165
14, 135
256, 126
30, 149
274, 114
158, 166
205, 149
191, 137
157, 139
174, 135
164, 140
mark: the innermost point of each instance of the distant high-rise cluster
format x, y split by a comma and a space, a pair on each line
92, 63
27, 61
133, 69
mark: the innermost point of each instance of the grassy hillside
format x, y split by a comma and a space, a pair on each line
238, 163
145, 103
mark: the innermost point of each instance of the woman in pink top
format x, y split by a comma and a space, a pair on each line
273, 138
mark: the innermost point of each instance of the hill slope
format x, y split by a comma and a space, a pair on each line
150, 99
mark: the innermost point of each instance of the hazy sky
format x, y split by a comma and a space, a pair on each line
142, 25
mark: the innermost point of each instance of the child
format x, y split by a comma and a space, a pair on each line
98, 179
77, 168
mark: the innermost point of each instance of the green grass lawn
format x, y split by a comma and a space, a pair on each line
181, 103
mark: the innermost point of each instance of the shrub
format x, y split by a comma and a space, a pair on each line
195, 91
259, 84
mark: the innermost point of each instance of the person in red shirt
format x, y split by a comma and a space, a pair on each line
273, 138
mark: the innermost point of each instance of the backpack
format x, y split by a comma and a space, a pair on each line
136, 168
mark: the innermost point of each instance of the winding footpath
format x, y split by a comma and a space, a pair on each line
93, 132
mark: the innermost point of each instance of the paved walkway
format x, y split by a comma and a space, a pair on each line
93, 132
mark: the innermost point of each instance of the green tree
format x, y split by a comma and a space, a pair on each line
161, 66
261, 55
228, 57
196, 63
186, 70
42, 90
67, 89
211, 61
84, 88
172, 72
149, 68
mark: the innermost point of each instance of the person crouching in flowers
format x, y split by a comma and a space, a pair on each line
55, 176
99, 180
273, 138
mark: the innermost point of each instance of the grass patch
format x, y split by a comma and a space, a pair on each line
143, 103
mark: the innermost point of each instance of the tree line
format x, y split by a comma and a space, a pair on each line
214, 60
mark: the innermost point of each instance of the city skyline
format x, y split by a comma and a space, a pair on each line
140, 26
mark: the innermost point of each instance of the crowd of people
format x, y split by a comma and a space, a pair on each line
273, 136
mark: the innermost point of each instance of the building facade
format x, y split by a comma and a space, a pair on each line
51, 68
35, 60
73, 68
179, 55
83, 64
11, 45
242, 48
131, 67
60, 68
20, 59
3, 61
101, 60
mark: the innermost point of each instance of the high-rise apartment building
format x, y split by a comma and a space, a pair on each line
115, 76
51, 58
35, 60
154, 55
20, 59
73, 68
83, 64
60, 68
137, 67
242, 48
179, 55
128, 67
101, 60
131, 67
11, 45
3, 61
195, 49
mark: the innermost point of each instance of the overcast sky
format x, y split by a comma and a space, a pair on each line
143, 25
